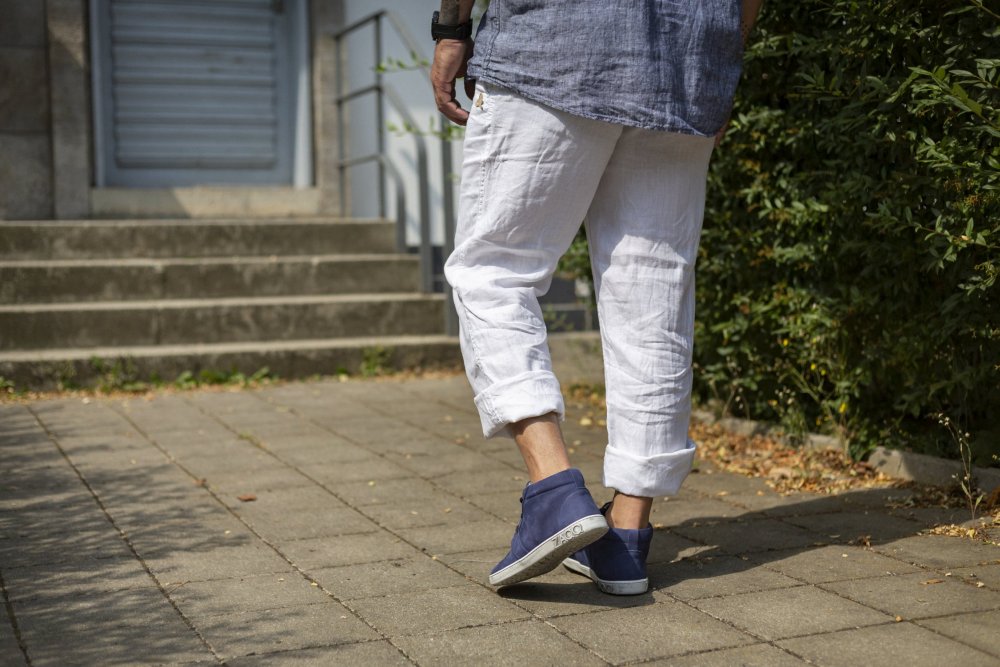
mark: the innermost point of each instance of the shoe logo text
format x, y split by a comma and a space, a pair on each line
568, 534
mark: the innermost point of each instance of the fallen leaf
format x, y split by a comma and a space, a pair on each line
586, 421
371, 483
931, 581
314, 584
980, 584
899, 619
200, 481
247, 497
722, 493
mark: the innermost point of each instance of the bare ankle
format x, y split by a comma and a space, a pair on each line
629, 512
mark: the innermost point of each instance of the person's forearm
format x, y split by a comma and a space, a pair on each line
455, 12
751, 8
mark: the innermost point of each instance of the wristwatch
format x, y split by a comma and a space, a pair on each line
460, 31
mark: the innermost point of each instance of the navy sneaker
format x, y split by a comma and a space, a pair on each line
617, 561
558, 517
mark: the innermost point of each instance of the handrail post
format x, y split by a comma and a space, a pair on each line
448, 209
379, 114
341, 138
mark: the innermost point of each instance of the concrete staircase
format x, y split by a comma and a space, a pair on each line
299, 296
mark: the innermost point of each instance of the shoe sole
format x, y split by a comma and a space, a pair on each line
553, 550
627, 587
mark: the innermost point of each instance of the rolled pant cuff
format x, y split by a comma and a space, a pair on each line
647, 476
530, 394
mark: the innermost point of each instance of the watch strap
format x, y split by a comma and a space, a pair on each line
460, 31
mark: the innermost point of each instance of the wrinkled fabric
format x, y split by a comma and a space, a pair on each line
655, 64
530, 175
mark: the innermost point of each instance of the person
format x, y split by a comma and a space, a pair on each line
603, 112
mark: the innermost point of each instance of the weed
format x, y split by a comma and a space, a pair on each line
376, 360
967, 482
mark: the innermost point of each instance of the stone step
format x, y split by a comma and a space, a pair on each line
83, 280
107, 239
55, 368
207, 321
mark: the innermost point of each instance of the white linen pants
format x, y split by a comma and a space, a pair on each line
530, 175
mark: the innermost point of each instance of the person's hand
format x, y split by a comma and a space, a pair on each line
450, 59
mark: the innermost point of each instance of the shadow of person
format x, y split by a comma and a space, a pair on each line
753, 541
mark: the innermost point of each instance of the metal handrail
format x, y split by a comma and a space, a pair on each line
383, 94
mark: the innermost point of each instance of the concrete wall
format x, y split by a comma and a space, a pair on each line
44, 110
46, 136
25, 115
326, 16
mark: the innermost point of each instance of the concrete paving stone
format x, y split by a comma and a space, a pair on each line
932, 516
417, 443
911, 596
189, 535
408, 491
62, 549
133, 461
280, 524
694, 578
215, 562
282, 629
738, 536
667, 547
654, 631
364, 653
789, 612
323, 552
376, 430
816, 565
720, 485
438, 510
76, 577
675, 511
10, 650
307, 451
770, 503
100, 645
275, 497
250, 461
880, 498
377, 469
453, 539
475, 565
519, 643
978, 629
939, 551
41, 615
564, 593
228, 486
504, 504
386, 577
450, 460
755, 655
844, 527
987, 573
453, 608
886, 646
470, 484
39, 503
250, 593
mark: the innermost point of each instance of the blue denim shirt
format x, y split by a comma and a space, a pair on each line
656, 64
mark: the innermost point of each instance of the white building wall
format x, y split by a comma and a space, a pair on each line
414, 88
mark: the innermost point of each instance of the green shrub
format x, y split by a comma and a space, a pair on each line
847, 275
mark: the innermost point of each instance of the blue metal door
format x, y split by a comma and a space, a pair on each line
195, 92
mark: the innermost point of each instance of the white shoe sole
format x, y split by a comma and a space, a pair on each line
628, 587
547, 555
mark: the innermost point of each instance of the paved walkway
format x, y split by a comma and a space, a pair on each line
378, 513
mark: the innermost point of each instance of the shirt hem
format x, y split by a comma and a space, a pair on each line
541, 99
